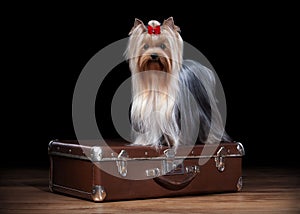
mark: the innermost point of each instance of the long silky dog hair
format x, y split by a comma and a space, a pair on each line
173, 100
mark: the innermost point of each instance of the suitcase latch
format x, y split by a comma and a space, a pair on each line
172, 166
220, 159
122, 163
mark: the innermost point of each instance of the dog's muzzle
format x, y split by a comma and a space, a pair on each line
154, 56
154, 62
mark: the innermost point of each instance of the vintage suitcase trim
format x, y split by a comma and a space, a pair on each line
239, 184
96, 154
240, 148
97, 194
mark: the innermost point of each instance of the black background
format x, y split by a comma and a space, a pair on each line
45, 47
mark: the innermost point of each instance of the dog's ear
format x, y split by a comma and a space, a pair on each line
170, 22
137, 22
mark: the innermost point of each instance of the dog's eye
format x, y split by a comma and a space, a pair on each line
146, 46
162, 46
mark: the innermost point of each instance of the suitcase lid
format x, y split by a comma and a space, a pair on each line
116, 149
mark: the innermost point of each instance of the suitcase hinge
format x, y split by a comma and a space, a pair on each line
122, 163
220, 159
96, 153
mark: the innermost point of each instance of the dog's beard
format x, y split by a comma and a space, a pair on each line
152, 112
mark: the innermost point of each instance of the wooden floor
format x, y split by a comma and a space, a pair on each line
266, 190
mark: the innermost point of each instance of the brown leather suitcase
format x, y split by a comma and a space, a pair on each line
115, 170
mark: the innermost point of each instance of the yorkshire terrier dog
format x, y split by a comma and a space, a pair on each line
173, 101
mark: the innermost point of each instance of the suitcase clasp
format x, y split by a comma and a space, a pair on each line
122, 163
220, 159
170, 165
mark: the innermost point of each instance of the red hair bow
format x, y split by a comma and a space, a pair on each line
154, 30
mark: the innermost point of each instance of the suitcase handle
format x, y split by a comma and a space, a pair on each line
177, 182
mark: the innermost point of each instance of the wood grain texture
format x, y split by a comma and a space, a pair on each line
266, 190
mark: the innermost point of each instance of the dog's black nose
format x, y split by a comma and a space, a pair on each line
154, 56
